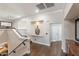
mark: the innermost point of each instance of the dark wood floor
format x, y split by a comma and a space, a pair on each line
41, 50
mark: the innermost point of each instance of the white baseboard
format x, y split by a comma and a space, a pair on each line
26, 53
55, 40
41, 43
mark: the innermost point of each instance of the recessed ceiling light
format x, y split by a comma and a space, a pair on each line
37, 10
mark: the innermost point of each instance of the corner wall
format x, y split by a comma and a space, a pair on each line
69, 32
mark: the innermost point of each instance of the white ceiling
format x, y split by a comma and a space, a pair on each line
74, 12
11, 10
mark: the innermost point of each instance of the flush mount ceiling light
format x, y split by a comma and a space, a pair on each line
37, 10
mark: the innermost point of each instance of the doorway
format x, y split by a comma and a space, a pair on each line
56, 32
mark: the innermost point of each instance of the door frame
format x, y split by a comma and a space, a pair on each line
51, 31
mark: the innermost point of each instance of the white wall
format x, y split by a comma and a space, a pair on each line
23, 24
69, 29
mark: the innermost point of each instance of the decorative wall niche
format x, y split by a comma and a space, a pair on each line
37, 26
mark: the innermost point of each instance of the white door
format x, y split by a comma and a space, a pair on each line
56, 30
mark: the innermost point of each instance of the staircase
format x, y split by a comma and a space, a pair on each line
18, 45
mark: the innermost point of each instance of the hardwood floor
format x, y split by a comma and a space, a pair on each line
41, 50
72, 47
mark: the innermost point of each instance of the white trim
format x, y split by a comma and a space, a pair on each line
40, 43
16, 33
55, 40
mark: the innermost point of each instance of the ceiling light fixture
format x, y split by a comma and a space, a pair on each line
37, 10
